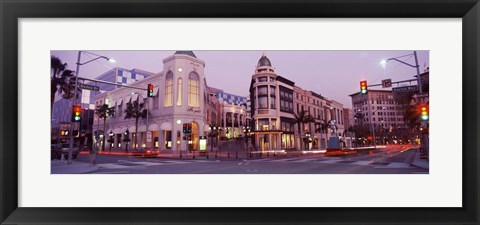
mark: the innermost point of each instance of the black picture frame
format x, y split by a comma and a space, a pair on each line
11, 11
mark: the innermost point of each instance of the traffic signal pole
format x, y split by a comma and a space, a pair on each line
70, 149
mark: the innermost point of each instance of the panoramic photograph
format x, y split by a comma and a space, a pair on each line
239, 112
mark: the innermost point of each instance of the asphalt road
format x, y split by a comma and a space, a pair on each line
391, 161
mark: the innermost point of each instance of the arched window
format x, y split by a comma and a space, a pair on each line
179, 92
168, 89
193, 90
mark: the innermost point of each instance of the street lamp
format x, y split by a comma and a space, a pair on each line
307, 140
126, 139
75, 93
371, 122
111, 139
419, 82
213, 131
246, 131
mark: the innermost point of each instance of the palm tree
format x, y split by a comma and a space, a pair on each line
60, 80
103, 111
135, 110
301, 118
323, 126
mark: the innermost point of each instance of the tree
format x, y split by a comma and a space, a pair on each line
103, 111
409, 110
135, 110
61, 80
301, 118
323, 127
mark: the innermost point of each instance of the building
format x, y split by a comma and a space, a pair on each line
233, 109
61, 111
275, 103
377, 107
181, 96
348, 118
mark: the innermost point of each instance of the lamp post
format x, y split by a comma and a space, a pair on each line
307, 140
246, 131
126, 139
75, 94
419, 81
213, 131
371, 122
111, 139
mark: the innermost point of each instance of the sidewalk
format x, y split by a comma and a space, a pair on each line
416, 161
59, 167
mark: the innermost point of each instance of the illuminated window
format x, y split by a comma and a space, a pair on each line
193, 90
179, 92
168, 90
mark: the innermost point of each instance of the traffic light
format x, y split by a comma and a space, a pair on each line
150, 90
189, 129
76, 113
424, 112
363, 87
64, 133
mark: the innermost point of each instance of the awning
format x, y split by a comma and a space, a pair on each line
166, 126
142, 128
113, 103
119, 101
153, 127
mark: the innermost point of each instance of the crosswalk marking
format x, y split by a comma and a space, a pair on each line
339, 161
123, 164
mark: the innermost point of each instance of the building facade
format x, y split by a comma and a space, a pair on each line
179, 98
61, 111
276, 102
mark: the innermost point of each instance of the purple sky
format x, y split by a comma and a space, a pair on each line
333, 74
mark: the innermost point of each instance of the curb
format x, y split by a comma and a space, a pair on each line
412, 162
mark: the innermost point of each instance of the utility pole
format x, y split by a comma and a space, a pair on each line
70, 150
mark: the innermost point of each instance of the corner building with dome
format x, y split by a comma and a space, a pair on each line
276, 100
179, 97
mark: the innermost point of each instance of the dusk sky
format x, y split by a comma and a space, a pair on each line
333, 74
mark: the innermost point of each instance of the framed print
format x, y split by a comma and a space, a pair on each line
199, 112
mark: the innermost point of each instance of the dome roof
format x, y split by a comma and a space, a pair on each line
264, 61
189, 53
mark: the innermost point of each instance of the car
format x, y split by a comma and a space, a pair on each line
141, 152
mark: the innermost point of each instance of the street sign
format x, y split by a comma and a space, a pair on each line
405, 89
89, 87
423, 95
387, 83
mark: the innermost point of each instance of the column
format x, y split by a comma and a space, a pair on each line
161, 141
115, 142
174, 137
233, 126
224, 123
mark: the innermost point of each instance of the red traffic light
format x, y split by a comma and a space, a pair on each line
363, 87
150, 90
76, 113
